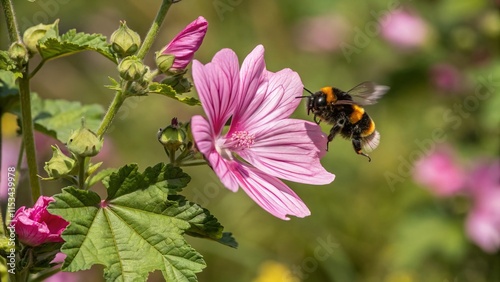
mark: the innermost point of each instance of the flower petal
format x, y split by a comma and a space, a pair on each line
269, 192
252, 74
186, 43
217, 85
204, 138
290, 149
276, 99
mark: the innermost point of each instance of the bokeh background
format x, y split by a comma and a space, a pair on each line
425, 209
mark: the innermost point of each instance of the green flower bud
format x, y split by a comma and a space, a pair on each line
179, 83
59, 165
18, 53
33, 34
124, 41
132, 69
84, 143
164, 62
172, 137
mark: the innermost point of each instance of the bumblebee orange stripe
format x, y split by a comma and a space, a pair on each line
357, 114
330, 96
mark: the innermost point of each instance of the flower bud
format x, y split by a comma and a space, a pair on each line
172, 137
84, 143
124, 41
164, 62
185, 44
59, 165
132, 69
33, 34
179, 83
18, 53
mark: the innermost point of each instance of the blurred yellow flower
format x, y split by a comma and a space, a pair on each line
272, 271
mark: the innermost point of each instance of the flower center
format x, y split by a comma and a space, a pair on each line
242, 139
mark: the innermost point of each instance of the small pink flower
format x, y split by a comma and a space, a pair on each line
186, 43
483, 222
439, 173
446, 77
321, 34
36, 226
404, 29
262, 143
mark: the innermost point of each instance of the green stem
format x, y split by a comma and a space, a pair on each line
82, 167
10, 16
110, 114
28, 134
155, 27
37, 68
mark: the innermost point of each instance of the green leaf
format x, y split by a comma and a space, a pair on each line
6, 62
138, 228
167, 90
59, 118
9, 93
72, 42
100, 176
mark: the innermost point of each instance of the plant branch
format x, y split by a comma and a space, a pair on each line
110, 114
10, 17
28, 134
155, 27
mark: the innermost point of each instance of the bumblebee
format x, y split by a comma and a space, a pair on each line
344, 111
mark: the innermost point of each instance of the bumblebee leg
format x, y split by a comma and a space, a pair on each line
356, 143
316, 119
333, 132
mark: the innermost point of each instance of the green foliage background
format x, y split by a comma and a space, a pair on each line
382, 231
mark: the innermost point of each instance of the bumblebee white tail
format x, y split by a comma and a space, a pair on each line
370, 142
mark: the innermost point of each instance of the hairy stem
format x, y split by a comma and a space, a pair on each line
28, 134
110, 114
155, 27
10, 16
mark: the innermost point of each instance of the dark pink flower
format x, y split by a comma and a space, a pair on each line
483, 222
186, 43
440, 173
404, 29
446, 77
263, 143
36, 226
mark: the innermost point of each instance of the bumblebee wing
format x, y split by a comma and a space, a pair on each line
367, 93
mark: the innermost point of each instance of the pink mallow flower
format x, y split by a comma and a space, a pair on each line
440, 173
186, 43
404, 29
483, 221
36, 226
262, 143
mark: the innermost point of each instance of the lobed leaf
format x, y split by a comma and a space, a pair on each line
167, 90
138, 228
72, 42
58, 118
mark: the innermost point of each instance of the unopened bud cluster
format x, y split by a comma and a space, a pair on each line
178, 143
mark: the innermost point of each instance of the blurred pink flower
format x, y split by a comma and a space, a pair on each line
483, 222
36, 226
446, 77
404, 29
186, 43
321, 33
439, 173
262, 143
